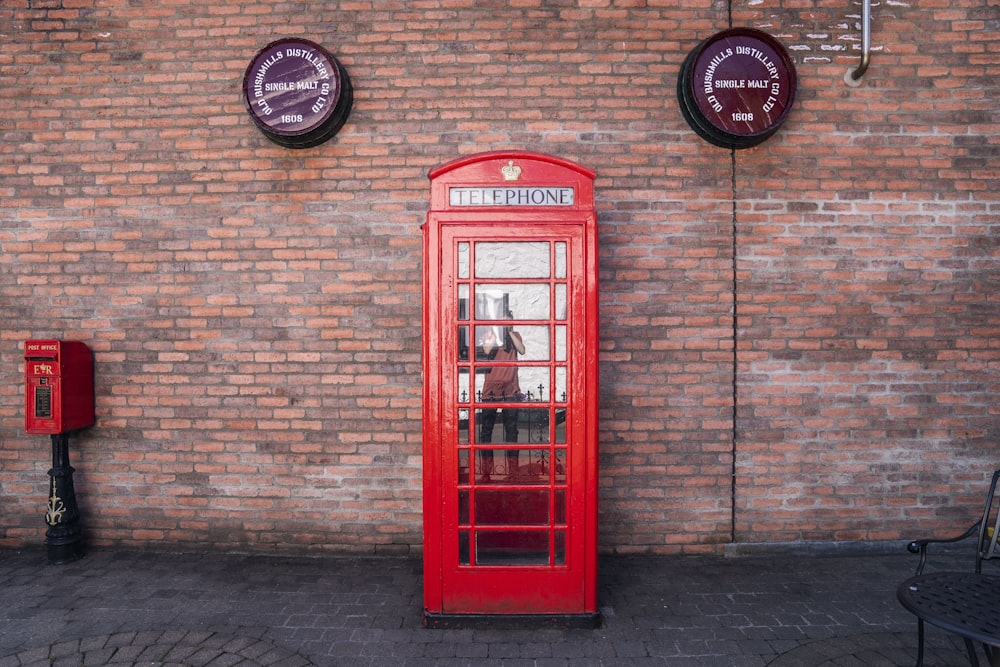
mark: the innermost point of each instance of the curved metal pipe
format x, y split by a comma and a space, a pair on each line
853, 77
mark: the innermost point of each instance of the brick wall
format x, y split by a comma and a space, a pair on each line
255, 310
867, 283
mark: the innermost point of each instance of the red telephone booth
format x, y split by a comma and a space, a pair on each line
510, 392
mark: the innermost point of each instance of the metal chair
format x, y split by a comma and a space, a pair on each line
987, 530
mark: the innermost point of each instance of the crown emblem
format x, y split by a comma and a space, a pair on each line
511, 172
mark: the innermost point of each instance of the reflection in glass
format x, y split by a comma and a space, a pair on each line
492, 303
463, 466
463, 507
536, 424
496, 465
561, 395
560, 301
464, 393
510, 466
463, 343
491, 306
561, 259
533, 377
512, 260
519, 547
486, 422
511, 450
529, 301
560, 508
512, 507
535, 339
521, 424
463, 302
463, 548
537, 468
463, 260
559, 468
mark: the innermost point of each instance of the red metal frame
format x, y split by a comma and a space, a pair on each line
555, 508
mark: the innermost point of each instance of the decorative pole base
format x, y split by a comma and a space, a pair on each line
60, 554
63, 539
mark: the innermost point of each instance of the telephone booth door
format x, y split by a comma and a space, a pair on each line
510, 391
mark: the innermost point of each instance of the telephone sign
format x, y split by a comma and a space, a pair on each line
510, 391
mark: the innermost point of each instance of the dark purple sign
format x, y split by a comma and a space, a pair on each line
738, 85
294, 90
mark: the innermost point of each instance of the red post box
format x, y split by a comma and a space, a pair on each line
510, 393
59, 386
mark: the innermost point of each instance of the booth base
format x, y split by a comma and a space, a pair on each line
435, 621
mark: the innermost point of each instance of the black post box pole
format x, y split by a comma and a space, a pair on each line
63, 537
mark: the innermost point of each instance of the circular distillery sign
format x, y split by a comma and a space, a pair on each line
737, 87
297, 93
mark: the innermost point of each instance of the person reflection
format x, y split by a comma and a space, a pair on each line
500, 384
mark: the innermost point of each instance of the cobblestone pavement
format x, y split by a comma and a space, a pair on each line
152, 608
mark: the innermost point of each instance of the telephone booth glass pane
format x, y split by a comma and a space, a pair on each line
463, 302
492, 304
513, 260
508, 548
495, 466
534, 337
495, 383
463, 260
463, 507
463, 467
489, 339
559, 466
512, 382
463, 548
463, 343
510, 466
464, 390
534, 424
514, 301
500, 507
497, 425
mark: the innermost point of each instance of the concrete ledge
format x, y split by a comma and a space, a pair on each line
816, 549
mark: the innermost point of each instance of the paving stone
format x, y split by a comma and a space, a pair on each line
97, 657
238, 610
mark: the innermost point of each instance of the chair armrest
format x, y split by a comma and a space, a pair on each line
920, 546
